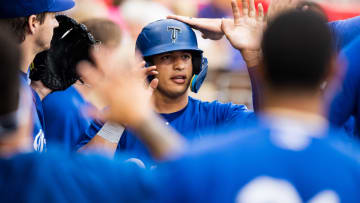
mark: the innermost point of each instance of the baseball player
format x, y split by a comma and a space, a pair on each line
288, 155
32, 24
180, 65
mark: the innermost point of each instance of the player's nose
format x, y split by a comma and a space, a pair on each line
179, 64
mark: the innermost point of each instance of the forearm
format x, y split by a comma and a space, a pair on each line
106, 140
255, 87
252, 59
99, 145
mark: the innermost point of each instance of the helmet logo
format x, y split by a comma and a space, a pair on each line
174, 33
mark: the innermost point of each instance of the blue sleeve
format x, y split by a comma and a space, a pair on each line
233, 113
92, 130
346, 100
345, 31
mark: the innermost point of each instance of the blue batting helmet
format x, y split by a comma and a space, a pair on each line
171, 35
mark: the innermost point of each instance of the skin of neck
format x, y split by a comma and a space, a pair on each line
165, 104
29, 52
307, 102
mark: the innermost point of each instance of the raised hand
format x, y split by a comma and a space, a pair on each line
121, 85
245, 31
210, 28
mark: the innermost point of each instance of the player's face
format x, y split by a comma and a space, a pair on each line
175, 72
46, 31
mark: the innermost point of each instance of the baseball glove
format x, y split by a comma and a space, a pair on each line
56, 67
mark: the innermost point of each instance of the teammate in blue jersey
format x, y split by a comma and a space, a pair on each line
289, 155
345, 31
172, 47
65, 111
65, 117
346, 104
32, 24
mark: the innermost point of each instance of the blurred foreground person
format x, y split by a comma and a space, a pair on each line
53, 176
65, 111
287, 155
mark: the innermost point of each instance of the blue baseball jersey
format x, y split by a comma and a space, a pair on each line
260, 164
346, 102
65, 118
39, 141
58, 177
345, 31
196, 117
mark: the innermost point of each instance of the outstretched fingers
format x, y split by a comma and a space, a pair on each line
245, 7
261, 16
236, 11
252, 12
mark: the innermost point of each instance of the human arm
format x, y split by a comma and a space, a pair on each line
104, 142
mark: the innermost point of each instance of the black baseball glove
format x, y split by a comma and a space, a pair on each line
56, 67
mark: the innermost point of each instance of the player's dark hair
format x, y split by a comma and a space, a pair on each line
19, 26
105, 31
313, 6
297, 50
9, 73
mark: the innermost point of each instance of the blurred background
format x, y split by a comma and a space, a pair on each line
227, 78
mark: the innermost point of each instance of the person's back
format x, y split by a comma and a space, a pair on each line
56, 177
261, 164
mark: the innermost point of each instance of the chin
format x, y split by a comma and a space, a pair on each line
174, 94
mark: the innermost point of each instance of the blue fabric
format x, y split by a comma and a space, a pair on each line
58, 177
190, 122
65, 119
39, 141
217, 168
24, 8
345, 31
346, 103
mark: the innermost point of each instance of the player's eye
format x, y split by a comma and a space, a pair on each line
165, 57
186, 56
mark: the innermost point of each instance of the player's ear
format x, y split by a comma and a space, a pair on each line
33, 24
